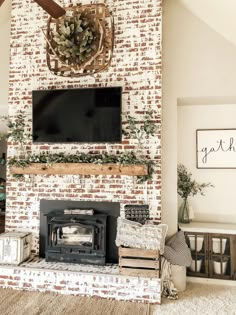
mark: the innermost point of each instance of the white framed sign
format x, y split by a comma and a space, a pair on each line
216, 148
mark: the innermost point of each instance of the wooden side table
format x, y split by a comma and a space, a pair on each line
213, 249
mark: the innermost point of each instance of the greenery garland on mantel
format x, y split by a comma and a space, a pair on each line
17, 134
49, 159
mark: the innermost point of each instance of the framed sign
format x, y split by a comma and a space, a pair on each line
216, 148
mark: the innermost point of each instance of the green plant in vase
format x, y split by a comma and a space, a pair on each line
187, 187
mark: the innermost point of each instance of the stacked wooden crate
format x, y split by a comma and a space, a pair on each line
139, 262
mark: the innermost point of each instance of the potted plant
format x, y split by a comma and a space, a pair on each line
187, 187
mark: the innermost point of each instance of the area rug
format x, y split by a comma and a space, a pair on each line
200, 298
17, 302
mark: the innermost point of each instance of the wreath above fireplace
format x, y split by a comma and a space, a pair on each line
80, 42
75, 39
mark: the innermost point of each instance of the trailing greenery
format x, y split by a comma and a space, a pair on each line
187, 186
137, 130
16, 130
74, 39
49, 159
16, 133
133, 129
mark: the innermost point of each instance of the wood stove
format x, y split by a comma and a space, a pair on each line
69, 236
76, 238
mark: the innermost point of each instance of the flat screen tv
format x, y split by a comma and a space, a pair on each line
77, 115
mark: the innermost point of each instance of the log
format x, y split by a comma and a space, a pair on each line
81, 169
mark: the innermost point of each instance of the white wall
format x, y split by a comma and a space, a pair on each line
198, 64
213, 12
219, 203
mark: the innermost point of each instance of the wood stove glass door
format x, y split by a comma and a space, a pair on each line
75, 234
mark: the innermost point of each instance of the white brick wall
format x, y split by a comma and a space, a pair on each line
136, 66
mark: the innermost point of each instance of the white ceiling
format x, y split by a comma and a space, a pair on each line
218, 14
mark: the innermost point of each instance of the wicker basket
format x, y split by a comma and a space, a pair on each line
137, 213
100, 59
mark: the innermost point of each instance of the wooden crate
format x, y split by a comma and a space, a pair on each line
139, 262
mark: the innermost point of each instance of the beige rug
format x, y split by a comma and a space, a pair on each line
200, 299
16, 302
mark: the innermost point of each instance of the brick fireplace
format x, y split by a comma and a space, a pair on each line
136, 66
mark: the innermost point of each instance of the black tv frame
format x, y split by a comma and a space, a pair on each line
79, 142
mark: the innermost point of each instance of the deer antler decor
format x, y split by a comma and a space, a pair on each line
51, 7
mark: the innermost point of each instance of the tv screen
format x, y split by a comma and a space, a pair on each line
77, 115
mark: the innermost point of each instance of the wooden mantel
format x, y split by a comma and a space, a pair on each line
82, 169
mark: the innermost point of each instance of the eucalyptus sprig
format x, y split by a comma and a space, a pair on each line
187, 186
16, 130
138, 129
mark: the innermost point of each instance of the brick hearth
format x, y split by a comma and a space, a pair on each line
105, 282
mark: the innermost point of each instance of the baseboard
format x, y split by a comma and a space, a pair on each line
231, 283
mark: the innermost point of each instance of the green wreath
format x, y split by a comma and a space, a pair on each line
75, 39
